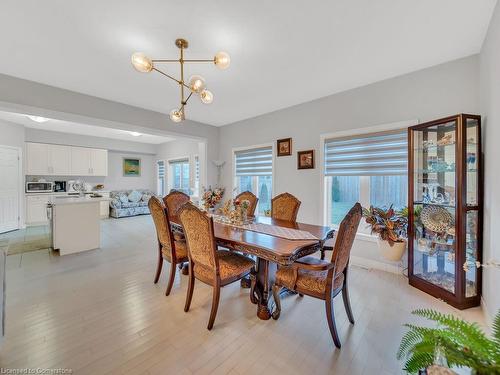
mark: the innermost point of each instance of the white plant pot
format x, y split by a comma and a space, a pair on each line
393, 253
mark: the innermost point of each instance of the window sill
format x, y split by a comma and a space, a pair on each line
360, 236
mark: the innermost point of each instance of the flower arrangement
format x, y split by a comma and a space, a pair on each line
236, 211
211, 197
390, 225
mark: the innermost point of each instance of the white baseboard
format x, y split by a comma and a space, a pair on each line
396, 268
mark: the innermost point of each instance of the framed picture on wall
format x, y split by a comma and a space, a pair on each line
305, 159
131, 167
284, 147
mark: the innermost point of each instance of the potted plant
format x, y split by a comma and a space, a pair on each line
211, 197
390, 226
454, 342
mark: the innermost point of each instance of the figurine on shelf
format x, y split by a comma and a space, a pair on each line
446, 140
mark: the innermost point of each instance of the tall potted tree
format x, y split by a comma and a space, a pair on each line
391, 227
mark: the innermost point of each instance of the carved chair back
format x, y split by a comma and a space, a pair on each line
199, 233
162, 224
249, 196
345, 238
285, 207
174, 201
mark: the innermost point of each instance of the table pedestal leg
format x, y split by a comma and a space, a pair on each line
264, 278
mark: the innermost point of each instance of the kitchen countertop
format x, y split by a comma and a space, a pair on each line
77, 200
63, 194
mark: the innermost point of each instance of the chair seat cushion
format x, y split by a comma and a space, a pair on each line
231, 266
306, 280
181, 251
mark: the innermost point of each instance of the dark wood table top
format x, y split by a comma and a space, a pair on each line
276, 249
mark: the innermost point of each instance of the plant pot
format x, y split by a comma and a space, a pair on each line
393, 253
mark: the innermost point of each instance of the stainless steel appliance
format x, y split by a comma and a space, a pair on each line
39, 187
60, 186
50, 218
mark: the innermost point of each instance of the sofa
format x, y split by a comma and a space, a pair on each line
126, 203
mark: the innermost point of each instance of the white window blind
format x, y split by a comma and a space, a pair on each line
254, 162
375, 154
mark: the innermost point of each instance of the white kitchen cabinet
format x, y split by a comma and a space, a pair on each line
99, 162
36, 209
59, 160
37, 159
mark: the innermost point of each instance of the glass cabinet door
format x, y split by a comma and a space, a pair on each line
472, 167
434, 204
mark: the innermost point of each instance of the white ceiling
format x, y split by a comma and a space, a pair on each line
282, 52
83, 129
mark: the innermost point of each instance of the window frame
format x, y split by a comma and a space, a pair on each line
165, 176
234, 185
365, 180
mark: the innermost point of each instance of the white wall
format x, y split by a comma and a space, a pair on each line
490, 110
424, 95
11, 134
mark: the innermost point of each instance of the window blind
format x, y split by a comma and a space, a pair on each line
375, 154
254, 162
196, 168
161, 169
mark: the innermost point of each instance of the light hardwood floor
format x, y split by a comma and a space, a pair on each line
99, 312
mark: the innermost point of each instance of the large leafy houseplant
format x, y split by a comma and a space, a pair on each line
390, 225
463, 344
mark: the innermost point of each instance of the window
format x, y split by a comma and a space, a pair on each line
369, 168
160, 179
254, 172
179, 175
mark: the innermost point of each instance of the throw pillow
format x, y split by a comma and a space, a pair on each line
146, 197
134, 196
123, 198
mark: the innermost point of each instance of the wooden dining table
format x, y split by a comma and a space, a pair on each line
270, 250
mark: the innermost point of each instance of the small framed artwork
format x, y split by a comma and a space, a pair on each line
305, 159
131, 167
284, 146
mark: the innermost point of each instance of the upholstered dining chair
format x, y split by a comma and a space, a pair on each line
285, 207
249, 196
206, 263
175, 200
321, 279
169, 249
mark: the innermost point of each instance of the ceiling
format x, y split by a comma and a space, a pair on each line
83, 129
282, 52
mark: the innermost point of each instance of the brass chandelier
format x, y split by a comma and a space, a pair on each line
196, 83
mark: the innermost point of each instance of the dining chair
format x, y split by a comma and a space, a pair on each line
285, 207
206, 263
250, 197
322, 279
175, 200
173, 251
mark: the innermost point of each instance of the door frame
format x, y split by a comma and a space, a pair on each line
20, 206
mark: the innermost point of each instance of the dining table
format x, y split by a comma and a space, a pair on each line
273, 243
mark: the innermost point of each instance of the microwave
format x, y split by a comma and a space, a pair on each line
39, 187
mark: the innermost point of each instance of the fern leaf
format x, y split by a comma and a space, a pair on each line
496, 328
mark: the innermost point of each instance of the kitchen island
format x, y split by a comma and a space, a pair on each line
75, 224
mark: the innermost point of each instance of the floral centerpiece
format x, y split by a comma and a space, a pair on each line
236, 211
211, 197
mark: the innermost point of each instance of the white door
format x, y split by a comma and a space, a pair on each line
60, 160
37, 159
9, 189
99, 162
80, 161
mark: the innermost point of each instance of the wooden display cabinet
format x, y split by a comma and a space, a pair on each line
445, 209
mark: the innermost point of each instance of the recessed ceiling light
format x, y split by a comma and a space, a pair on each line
38, 119
135, 134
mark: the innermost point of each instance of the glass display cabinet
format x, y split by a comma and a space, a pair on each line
445, 209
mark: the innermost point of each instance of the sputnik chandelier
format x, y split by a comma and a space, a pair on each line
195, 85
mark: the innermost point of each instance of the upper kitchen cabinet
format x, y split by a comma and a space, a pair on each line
56, 160
89, 162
